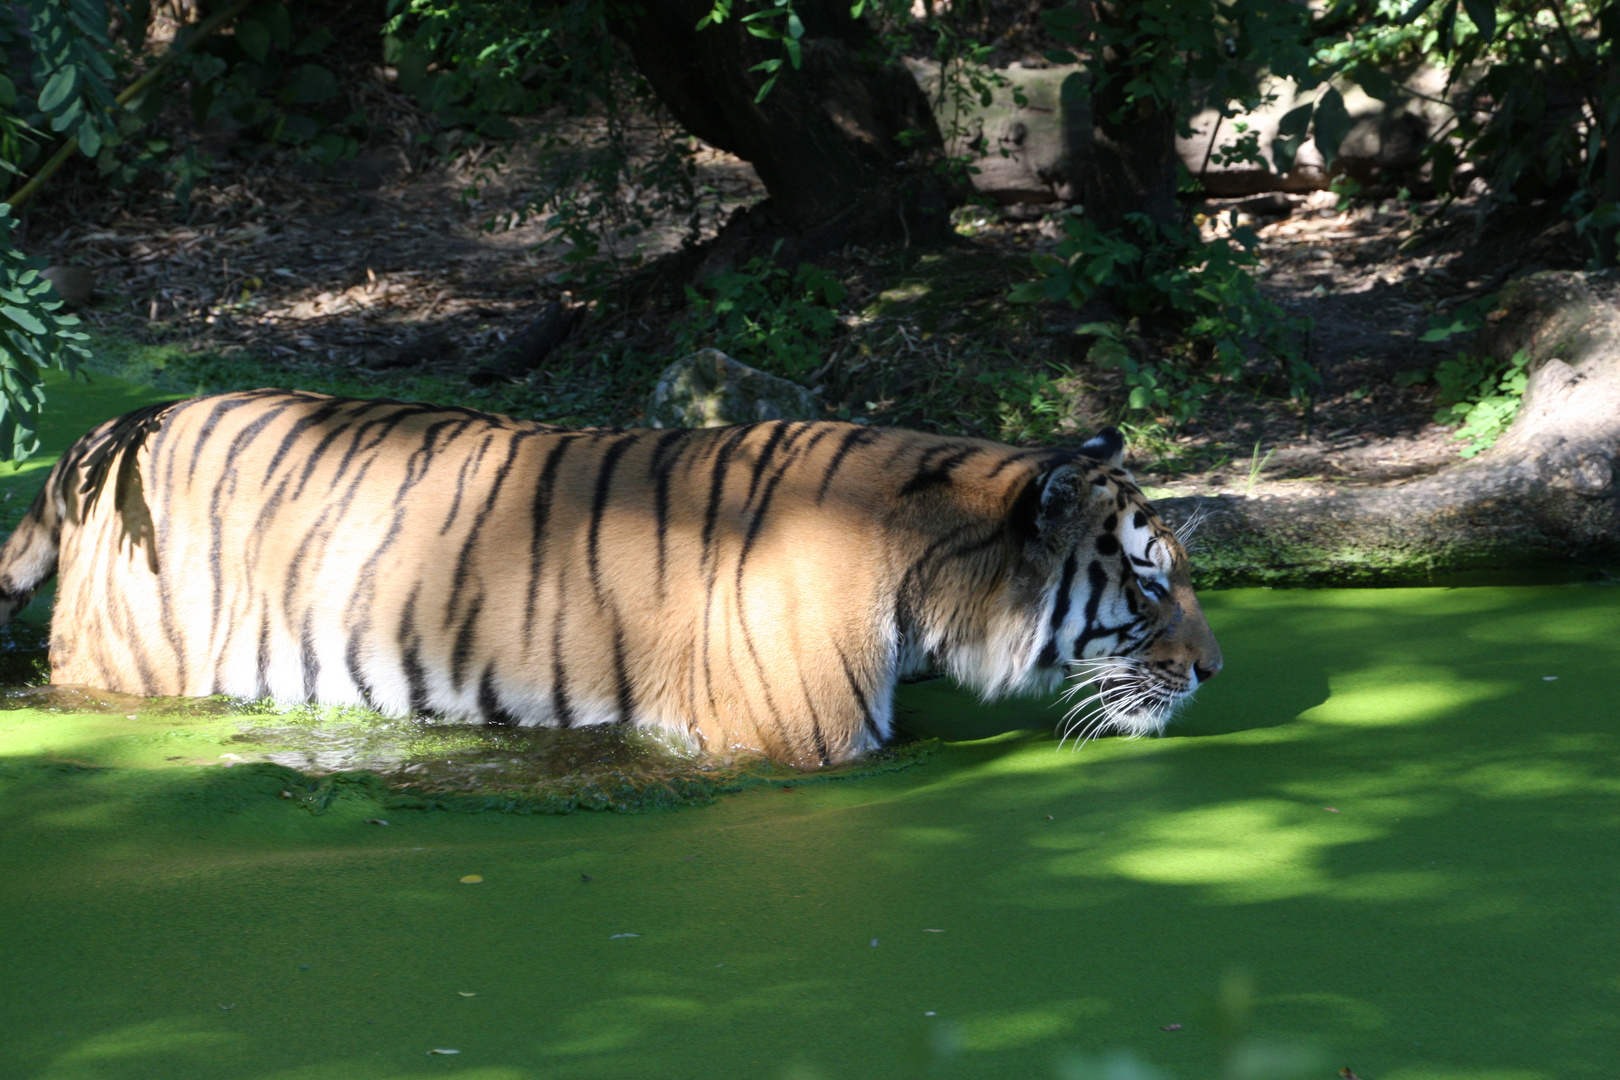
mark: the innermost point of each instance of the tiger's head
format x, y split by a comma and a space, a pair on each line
1111, 582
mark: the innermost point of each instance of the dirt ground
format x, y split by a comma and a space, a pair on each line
392, 263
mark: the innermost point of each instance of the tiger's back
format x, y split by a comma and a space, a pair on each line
754, 587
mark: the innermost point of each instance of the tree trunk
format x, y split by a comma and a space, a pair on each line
1545, 491
1131, 167
845, 145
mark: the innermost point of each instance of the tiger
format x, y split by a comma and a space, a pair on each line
756, 589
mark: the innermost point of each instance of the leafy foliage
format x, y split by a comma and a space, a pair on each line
1205, 289
1031, 406
761, 23
476, 63
1180, 53
1481, 397
266, 81
72, 66
1537, 87
34, 334
1477, 395
1465, 318
765, 316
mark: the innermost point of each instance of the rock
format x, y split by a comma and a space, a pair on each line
76, 285
1544, 493
710, 389
1035, 153
1030, 153
1385, 142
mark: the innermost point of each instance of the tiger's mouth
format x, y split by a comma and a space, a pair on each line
1126, 697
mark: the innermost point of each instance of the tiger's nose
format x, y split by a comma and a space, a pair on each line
1206, 672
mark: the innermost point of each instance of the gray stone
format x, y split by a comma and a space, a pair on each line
1036, 152
1385, 142
1028, 153
710, 389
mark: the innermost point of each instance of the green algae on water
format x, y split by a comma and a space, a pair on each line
317, 756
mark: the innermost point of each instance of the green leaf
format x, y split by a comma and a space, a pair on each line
1448, 22
24, 319
89, 136
254, 38
1046, 264
8, 93
69, 117
1374, 81
58, 89
276, 19
1483, 13
1074, 90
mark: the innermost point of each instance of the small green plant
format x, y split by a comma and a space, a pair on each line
1347, 188
1481, 397
1462, 319
1150, 388
266, 80
1165, 271
1030, 405
764, 315
1257, 465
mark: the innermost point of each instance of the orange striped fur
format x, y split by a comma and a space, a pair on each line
750, 588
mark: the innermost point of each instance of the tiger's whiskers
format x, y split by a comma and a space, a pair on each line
1121, 687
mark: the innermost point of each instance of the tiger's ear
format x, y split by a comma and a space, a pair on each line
1050, 499
1107, 447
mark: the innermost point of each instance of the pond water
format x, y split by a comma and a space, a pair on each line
1392, 819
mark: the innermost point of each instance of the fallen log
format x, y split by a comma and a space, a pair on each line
1544, 493
528, 348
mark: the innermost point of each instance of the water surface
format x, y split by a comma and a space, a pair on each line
1395, 811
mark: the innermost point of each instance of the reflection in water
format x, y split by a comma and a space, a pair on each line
421, 762
525, 770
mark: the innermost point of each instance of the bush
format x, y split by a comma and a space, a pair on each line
764, 316
1481, 397
1204, 291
